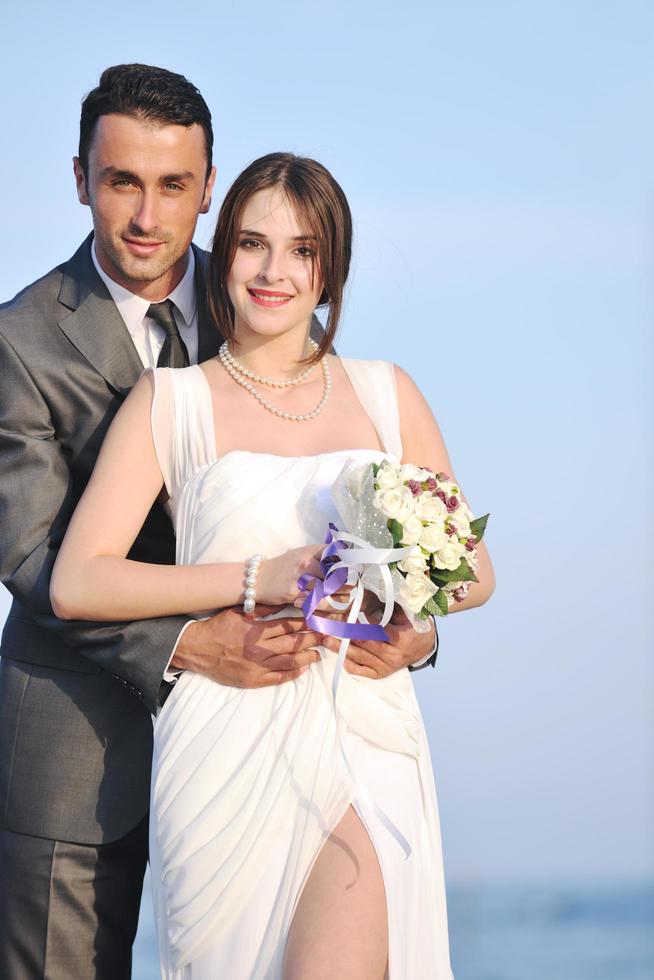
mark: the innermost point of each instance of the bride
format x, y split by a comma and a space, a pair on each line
271, 859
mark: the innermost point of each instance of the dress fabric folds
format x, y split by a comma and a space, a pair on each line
248, 784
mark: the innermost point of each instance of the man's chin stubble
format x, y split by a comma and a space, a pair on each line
142, 270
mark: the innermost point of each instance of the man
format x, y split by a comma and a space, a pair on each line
76, 697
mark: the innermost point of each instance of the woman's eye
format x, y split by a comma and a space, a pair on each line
250, 243
304, 251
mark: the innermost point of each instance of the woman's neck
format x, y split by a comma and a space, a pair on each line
278, 357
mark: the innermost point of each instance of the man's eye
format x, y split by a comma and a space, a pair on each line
174, 187
123, 182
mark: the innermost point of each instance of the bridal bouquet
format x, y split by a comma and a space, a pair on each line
426, 510
405, 534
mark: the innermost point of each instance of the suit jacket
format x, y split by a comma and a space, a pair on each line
75, 697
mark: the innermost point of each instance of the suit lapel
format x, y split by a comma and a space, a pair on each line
94, 326
209, 339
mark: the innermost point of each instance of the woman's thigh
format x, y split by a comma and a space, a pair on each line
340, 926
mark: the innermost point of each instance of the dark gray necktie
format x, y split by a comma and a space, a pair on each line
173, 353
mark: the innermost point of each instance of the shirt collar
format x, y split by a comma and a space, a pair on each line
133, 308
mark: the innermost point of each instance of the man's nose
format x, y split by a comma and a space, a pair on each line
146, 216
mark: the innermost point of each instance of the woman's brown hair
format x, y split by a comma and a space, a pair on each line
318, 203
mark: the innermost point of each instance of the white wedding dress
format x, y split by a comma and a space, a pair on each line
248, 784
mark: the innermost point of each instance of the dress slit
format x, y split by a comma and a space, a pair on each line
356, 809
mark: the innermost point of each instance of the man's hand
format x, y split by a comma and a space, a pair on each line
375, 659
236, 650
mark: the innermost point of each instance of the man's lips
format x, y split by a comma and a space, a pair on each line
269, 297
138, 247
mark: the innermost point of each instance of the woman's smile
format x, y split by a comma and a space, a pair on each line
268, 297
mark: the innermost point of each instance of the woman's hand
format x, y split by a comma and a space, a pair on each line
277, 582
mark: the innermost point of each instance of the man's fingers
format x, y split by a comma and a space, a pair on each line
279, 677
362, 657
373, 647
359, 670
278, 627
291, 643
291, 661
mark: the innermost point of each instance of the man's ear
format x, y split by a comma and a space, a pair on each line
80, 181
206, 200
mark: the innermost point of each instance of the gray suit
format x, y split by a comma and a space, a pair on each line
75, 697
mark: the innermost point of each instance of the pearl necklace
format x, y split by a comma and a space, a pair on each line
229, 357
242, 380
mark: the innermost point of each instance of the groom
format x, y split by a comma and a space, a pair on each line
76, 697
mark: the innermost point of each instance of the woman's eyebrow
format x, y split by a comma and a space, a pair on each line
260, 234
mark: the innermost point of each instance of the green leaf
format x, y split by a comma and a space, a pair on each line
396, 530
441, 576
440, 600
375, 469
478, 526
430, 607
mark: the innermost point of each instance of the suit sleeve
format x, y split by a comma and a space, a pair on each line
430, 659
36, 502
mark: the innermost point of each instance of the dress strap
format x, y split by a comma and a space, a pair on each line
374, 386
182, 424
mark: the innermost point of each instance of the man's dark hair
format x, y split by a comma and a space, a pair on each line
146, 93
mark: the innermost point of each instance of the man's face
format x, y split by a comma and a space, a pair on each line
146, 185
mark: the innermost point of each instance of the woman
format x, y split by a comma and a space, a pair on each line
270, 857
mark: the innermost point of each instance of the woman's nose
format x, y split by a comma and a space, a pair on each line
272, 269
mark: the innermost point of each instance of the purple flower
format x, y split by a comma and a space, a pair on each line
443, 477
414, 487
432, 485
451, 504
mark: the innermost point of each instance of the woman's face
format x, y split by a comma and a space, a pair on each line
270, 281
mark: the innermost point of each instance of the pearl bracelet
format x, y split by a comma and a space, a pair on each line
251, 571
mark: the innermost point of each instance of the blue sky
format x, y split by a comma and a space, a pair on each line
499, 161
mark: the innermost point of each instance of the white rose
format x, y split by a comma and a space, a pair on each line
433, 537
416, 565
388, 478
450, 555
464, 510
396, 503
460, 524
412, 528
416, 590
430, 508
410, 472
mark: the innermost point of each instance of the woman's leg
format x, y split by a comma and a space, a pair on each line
340, 924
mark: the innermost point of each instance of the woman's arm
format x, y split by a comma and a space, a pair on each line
423, 445
93, 578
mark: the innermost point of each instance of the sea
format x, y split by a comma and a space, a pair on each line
526, 931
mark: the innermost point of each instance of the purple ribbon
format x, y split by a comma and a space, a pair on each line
334, 578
